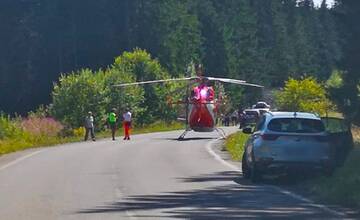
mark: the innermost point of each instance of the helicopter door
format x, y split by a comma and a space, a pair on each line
340, 135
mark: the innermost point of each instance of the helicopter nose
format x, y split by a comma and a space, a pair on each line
203, 93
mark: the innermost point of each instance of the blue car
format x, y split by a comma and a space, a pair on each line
285, 142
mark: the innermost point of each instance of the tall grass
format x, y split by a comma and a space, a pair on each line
42, 126
158, 126
18, 134
36, 131
344, 186
235, 145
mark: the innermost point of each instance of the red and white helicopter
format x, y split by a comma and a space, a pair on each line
202, 103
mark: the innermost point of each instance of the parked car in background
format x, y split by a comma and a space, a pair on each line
262, 107
249, 117
287, 142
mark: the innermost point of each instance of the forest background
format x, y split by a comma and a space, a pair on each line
263, 42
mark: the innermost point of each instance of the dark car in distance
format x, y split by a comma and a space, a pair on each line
249, 117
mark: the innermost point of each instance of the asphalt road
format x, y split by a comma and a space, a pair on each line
153, 176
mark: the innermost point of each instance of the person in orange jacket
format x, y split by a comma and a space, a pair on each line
127, 124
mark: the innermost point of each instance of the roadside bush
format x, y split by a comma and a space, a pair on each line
76, 94
12, 136
9, 128
85, 90
305, 95
122, 97
154, 106
79, 132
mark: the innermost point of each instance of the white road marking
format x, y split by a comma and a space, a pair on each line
218, 158
12, 163
285, 192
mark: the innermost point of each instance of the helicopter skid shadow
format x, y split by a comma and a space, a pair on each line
188, 139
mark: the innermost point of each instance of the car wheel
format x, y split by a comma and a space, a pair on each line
245, 168
255, 174
329, 171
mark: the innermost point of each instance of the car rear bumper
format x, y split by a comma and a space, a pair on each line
275, 167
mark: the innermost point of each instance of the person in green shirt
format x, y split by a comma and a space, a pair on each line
112, 119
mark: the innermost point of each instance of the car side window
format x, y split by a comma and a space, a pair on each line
260, 124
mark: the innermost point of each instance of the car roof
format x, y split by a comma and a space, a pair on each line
252, 110
306, 115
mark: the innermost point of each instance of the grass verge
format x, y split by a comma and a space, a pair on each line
23, 140
18, 144
154, 127
343, 187
234, 144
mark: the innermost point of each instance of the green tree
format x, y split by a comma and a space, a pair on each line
240, 39
329, 51
122, 97
282, 54
179, 35
213, 54
348, 15
256, 40
169, 30
140, 64
304, 95
76, 94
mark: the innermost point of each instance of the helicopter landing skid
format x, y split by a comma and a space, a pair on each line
221, 132
182, 136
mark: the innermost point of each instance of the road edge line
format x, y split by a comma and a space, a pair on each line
18, 160
283, 191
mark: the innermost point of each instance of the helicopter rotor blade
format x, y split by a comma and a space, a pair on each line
233, 81
154, 81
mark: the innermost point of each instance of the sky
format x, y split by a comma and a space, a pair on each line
318, 2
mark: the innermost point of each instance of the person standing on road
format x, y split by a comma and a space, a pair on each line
112, 119
89, 126
234, 118
127, 124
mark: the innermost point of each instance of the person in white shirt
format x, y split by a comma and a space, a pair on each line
127, 124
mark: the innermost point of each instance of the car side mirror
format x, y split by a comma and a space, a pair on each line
247, 130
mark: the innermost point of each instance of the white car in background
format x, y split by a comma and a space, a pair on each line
262, 107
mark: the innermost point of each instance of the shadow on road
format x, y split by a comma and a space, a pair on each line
228, 197
187, 139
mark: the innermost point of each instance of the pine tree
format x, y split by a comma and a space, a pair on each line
212, 47
328, 44
282, 53
306, 39
240, 39
348, 14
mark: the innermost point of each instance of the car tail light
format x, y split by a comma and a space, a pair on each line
269, 137
322, 138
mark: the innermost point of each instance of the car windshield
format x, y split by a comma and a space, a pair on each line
296, 125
